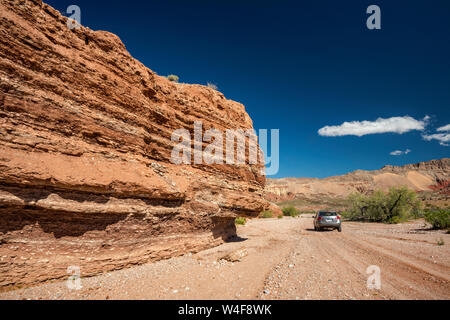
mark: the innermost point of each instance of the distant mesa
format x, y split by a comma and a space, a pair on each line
429, 176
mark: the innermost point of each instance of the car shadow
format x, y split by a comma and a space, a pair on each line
323, 230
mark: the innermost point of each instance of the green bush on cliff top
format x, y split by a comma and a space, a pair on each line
173, 78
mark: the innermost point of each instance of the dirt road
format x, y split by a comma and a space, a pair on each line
286, 259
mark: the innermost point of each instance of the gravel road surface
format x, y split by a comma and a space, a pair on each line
284, 259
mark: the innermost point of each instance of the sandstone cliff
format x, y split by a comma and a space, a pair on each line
426, 176
85, 173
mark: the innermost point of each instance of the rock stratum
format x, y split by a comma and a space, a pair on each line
428, 176
85, 146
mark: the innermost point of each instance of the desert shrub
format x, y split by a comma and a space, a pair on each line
266, 214
394, 206
290, 211
240, 220
440, 242
439, 218
173, 78
346, 215
280, 217
396, 219
212, 86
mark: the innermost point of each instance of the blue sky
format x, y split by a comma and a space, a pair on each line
299, 66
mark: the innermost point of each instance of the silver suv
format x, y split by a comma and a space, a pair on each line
327, 219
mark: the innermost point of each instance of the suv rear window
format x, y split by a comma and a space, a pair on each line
327, 214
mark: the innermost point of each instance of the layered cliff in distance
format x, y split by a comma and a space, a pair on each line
430, 176
85, 146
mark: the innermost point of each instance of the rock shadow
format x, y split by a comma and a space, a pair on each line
59, 223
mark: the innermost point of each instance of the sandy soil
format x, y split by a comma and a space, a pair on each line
286, 259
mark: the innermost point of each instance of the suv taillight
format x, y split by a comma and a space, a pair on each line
338, 217
319, 218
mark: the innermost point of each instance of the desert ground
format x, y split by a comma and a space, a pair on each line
284, 259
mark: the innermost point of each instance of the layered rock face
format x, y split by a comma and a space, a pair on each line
86, 177
431, 175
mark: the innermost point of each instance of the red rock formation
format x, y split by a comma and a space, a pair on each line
85, 173
442, 187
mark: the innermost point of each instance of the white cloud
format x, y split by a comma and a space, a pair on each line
443, 138
399, 152
360, 128
444, 128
